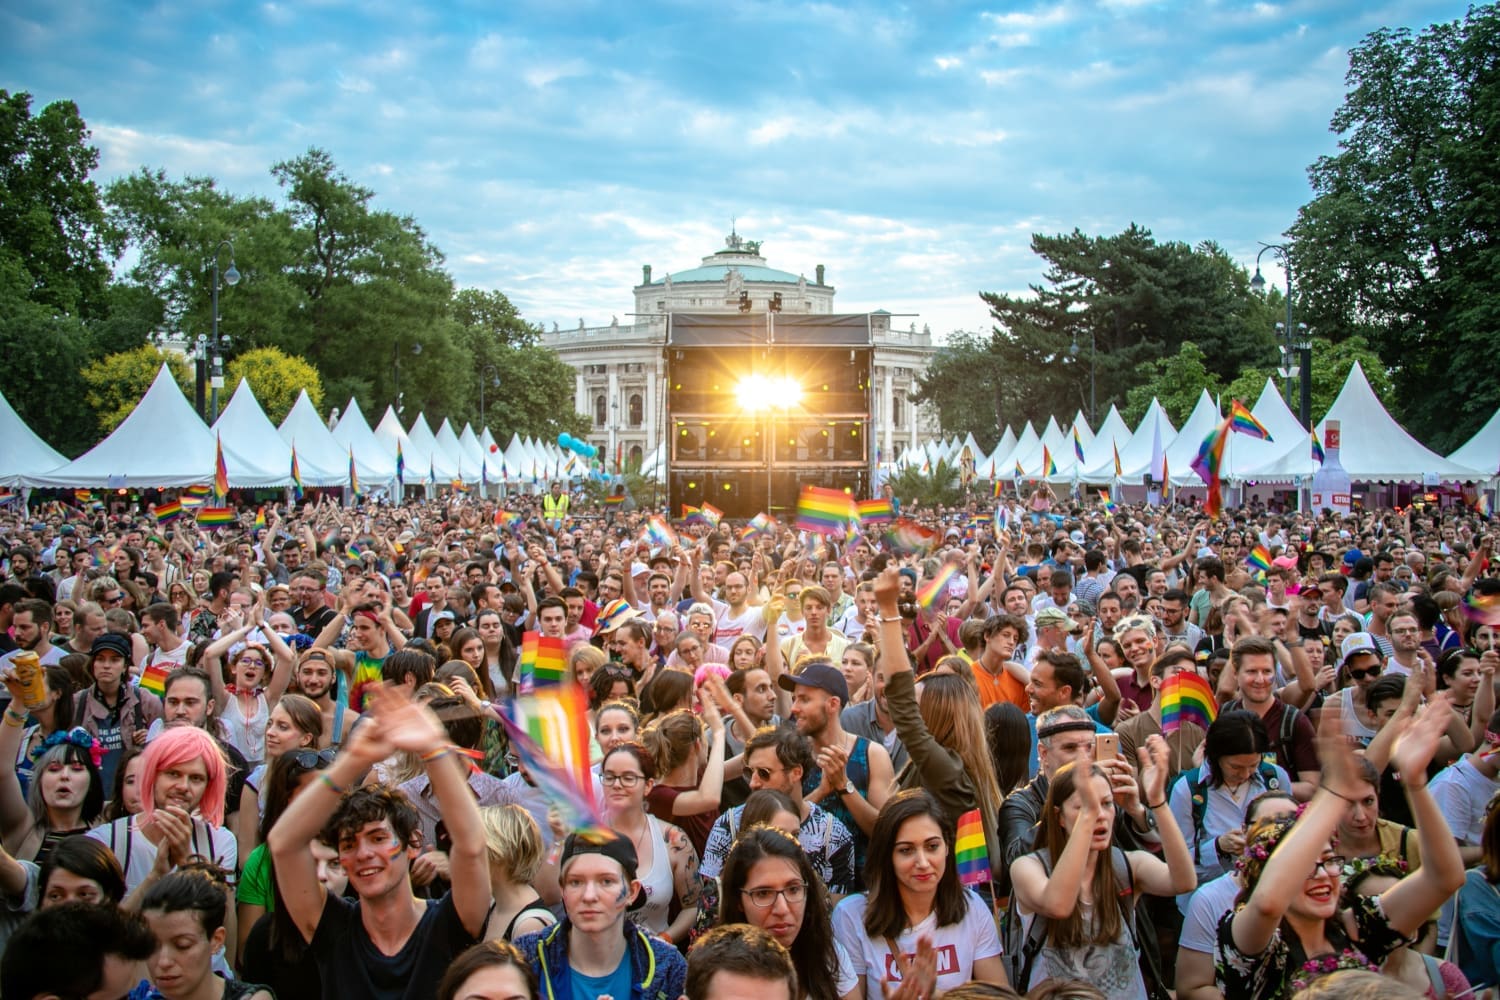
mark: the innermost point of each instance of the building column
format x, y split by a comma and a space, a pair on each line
887, 416
911, 417
612, 417
648, 424
581, 397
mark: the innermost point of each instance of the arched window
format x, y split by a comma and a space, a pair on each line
636, 456
600, 411
637, 408
898, 406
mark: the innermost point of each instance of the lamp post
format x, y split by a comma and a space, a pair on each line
416, 349
1093, 370
231, 278
490, 374
1296, 339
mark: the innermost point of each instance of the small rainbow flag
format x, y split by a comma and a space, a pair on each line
260, 519
1243, 421
544, 663
400, 465
1186, 697
875, 512
1020, 472
507, 519
998, 489
82, 496
549, 733
1483, 609
906, 537
931, 590
296, 475
711, 515
970, 851
353, 475
215, 517
1049, 467
659, 532
1317, 447
1109, 503
614, 500
1118, 470
154, 679
1260, 558
106, 557
165, 513
1077, 444
194, 496
221, 471
824, 511
760, 524
1208, 463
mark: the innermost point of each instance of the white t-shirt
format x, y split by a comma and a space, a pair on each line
1206, 907
958, 946
751, 622
137, 854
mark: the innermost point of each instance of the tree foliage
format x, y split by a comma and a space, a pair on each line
1177, 382
938, 485
276, 380
116, 382
1401, 242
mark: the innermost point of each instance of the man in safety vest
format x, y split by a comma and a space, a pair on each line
555, 508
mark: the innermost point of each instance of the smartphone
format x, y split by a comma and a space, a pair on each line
1106, 746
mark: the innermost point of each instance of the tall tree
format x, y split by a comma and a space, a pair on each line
1401, 242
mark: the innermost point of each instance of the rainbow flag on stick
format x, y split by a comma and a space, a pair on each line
906, 536
1077, 445
998, 489
614, 500
1260, 558
166, 513
875, 512
1186, 697
354, 490
660, 533
1118, 471
221, 471
296, 475
544, 663
824, 511
400, 466
1208, 463
194, 496
760, 524
1243, 421
215, 517
1317, 447
1483, 609
154, 679
506, 519
1049, 467
1109, 504
260, 519
970, 851
549, 733
932, 589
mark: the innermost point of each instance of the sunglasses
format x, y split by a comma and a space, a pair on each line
763, 773
312, 759
1360, 675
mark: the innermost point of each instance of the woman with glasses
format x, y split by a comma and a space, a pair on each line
668, 864
261, 667
914, 901
768, 882
1292, 924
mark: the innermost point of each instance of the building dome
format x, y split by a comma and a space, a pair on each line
740, 255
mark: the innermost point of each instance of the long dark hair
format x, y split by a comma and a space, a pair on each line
283, 778
1009, 740
1069, 932
66, 754
885, 916
812, 952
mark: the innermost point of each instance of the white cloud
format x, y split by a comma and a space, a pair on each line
1042, 17
948, 62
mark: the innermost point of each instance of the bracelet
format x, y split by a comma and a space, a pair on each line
1157, 806
334, 788
890, 618
1336, 795
13, 720
438, 754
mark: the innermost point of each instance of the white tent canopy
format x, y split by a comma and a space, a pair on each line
1184, 447
1289, 449
161, 443
1005, 465
23, 454
1113, 433
420, 439
374, 462
447, 442
245, 429
321, 460
1482, 451
1135, 454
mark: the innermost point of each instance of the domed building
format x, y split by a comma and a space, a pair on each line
620, 367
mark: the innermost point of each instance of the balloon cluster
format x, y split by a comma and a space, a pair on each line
577, 447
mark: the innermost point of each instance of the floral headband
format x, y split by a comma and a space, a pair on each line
78, 737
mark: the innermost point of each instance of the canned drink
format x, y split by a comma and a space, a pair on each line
27, 668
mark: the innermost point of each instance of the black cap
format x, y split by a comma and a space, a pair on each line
111, 641
616, 847
823, 676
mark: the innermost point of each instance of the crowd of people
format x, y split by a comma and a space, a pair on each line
269, 760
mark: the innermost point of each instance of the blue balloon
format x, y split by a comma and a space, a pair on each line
593, 452
565, 440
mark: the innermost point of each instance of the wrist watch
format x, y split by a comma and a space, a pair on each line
848, 788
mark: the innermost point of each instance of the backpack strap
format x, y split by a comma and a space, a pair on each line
1036, 934
1434, 967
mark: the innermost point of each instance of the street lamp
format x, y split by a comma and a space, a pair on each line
1296, 338
490, 374
416, 349
1093, 369
231, 278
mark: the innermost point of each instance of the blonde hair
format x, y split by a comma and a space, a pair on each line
670, 739
512, 842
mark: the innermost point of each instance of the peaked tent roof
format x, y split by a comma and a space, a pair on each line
447, 442
1135, 454
475, 453
420, 439
1184, 448
1289, 450
321, 460
22, 453
1482, 451
1101, 452
1005, 467
989, 468
374, 462
161, 443
1374, 448
246, 430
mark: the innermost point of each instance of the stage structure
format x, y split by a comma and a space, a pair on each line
760, 403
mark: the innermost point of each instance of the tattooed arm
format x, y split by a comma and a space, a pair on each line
685, 882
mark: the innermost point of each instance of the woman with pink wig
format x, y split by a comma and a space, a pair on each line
182, 779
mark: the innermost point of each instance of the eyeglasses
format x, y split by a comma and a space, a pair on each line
765, 898
111, 598
623, 780
312, 759
1360, 675
763, 773
1331, 865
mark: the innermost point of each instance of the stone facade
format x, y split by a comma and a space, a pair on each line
620, 368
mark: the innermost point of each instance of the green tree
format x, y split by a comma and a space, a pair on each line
1176, 382
44, 351
938, 485
276, 380
116, 382
535, 398
51, 220
1399, 243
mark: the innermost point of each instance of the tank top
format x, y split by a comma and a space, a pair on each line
857, 770
1350, 718
656, 881
247, 735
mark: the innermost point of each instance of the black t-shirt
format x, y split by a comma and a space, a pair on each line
312, 625
297, 979
352, 966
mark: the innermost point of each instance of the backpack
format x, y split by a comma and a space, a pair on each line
1266, 770
1021, 952
1289, 716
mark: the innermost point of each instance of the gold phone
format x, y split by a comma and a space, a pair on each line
1106, 746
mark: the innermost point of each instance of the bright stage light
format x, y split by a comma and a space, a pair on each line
762, 392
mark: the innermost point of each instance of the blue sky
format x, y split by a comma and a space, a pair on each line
552, 148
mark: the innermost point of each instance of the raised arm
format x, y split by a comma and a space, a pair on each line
705, 798
234, 630
1056, 897
16, 820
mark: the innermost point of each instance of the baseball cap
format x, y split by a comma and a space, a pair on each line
1054, 616
616, 848
112, 641
1357, 642
823, 676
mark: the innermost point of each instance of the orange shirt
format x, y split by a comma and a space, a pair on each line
1000, 687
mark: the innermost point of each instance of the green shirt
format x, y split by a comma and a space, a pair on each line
255, 886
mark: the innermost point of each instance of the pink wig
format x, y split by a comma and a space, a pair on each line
175, 747
708, 670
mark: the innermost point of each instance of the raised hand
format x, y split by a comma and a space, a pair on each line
1414, 747
1156, 767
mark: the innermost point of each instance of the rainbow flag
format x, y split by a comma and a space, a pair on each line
1208, 463
1118, 470
998, 489
154, 679
1483, 609
507, 519
760, 524
1186, 697
970, 851
875, 512
106, 557
932, 589
824, 511
544, 663
194, 496
353, 475
260, 519
296, 475
1109, 503
1020, 472
400, 465
1049, 467
82, 496
165, 513
659, 532
1260, 558
221, 471
1077, 445
711, 515
614, 500
906, 537
1317, 447
549, 731
1243, 421
693, 515
215, 517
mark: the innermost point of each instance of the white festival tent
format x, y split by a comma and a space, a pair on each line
990, 467
474, 454
23, 455
1005, 466
1482, 451
1290, 446
516, 461
1135, 454
433, 461
245, 429
1031, 461
374, 462
447, 442
162, 443
320, 459
1113, 433
1184, 447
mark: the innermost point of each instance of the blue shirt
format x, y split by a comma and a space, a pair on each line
616, 984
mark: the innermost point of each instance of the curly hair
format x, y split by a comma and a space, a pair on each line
372, 804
